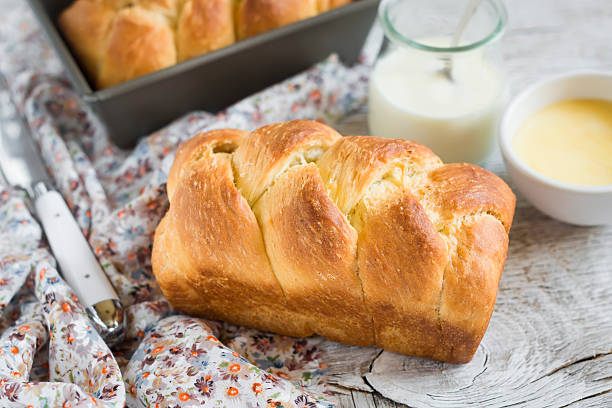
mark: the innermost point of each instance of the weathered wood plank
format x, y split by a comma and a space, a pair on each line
363, 399
348, 365
345, 400
382, 402
594, 401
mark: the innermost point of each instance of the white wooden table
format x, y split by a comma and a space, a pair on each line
549, 343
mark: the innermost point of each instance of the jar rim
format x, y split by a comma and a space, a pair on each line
395, 35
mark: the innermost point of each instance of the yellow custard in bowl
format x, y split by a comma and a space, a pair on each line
569, 141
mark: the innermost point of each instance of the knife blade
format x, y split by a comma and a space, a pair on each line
22, 166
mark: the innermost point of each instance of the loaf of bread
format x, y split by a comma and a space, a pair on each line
117, 40
297, 230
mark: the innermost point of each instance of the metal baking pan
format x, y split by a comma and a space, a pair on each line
215, 80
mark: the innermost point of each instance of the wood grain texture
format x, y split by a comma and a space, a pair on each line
549, 343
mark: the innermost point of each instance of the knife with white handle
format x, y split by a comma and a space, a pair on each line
22, 166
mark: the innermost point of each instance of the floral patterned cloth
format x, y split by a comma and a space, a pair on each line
50, 356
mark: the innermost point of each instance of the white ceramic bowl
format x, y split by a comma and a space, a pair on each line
574, 204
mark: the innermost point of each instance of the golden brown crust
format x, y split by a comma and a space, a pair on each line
350, 167
118, 40
85, 25
470, 283
295, 212
222, 252
221, 140
169, 267
204, 25
257, 16
263, 156
460, 189
402, 257
140, 42
362, 240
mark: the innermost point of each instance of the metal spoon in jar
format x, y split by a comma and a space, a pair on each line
470, 10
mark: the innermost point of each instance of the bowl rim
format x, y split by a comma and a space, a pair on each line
505, 138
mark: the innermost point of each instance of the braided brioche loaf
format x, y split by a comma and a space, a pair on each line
297, 230
117, 40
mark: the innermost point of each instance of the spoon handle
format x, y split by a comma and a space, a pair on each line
469, 12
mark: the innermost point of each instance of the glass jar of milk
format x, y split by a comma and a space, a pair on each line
426, 89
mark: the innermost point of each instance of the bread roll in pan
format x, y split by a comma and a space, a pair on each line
217, 79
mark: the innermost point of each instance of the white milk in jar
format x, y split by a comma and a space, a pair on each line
411, 99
